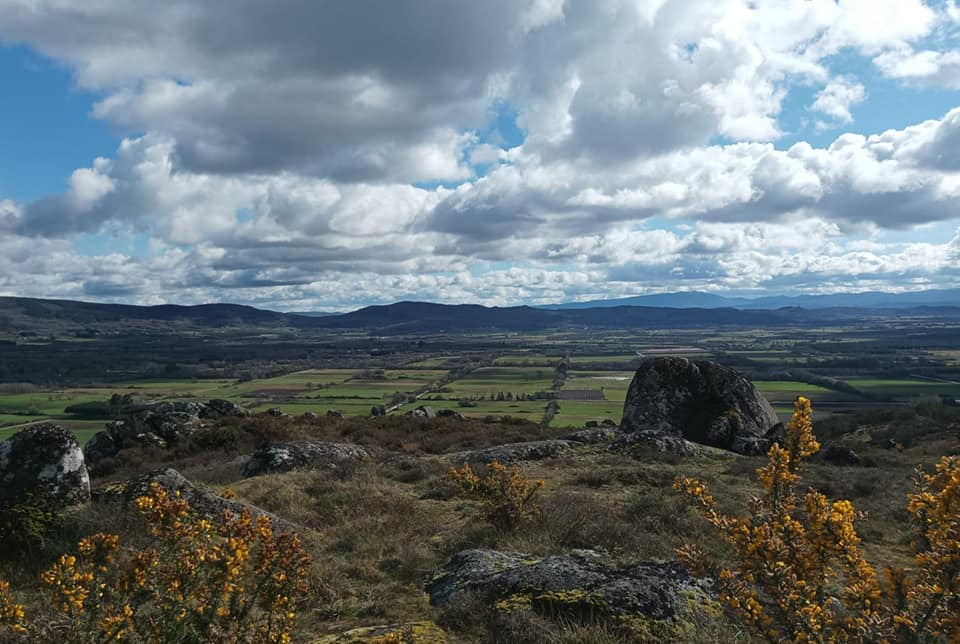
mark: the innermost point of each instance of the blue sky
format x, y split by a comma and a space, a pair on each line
519, 152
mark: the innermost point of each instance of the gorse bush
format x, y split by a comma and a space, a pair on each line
24, 525
798, 572
507, 497
235, 581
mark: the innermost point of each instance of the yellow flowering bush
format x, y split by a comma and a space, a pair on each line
233, 581
507, 497
11, 613
798, 573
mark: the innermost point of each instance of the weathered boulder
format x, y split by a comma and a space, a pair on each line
649, 440
333, 413
513, 452
277, 412
701, 401
43, 461
425, 412
581, 583
839, 455
594, 435
299, 455
449, 413
218, 408
159, 425
414, 632
202, 501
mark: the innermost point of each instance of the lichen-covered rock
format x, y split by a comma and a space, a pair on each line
43, 461
300, 455
701, 401
580, 582
158, 425
635, 442
513, 452
425, 412
218, 408
202, 501
413, 632
594, 435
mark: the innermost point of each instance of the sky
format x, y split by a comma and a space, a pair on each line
323, 155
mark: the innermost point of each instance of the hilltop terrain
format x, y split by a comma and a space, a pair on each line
348, 435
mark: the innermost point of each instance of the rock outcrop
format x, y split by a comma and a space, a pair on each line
202, 501
649, 440
701, 401
300, 455
594, 435
513, 452
43, 462
581, 583
424, 412
159, 425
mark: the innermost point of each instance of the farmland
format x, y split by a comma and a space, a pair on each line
509, 374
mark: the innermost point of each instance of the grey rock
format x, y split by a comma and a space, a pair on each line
838, 455
593, 436
298, 455
333, 413
159, 425
701, 401
591, 424
607, 422
449, 413
202, 501
310, 415
277, 412
581, 581
513, 452
43, 460
218, 408
425, 412
636, 442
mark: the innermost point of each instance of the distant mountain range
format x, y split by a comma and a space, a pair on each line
28, 315
698, 299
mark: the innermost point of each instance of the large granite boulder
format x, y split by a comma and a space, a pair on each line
44, 461
581, 583
202, 501
701, 401
159, 425
300, 455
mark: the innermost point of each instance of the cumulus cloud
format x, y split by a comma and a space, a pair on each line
305, 153
837, 97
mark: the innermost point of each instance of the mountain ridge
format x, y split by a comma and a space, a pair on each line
701, 299
39, 315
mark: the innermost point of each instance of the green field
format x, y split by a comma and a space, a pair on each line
493, 380
906, 389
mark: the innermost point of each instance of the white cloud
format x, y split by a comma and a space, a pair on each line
277, 151
925, 67
837, 97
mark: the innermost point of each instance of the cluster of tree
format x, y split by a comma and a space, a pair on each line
115, 407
